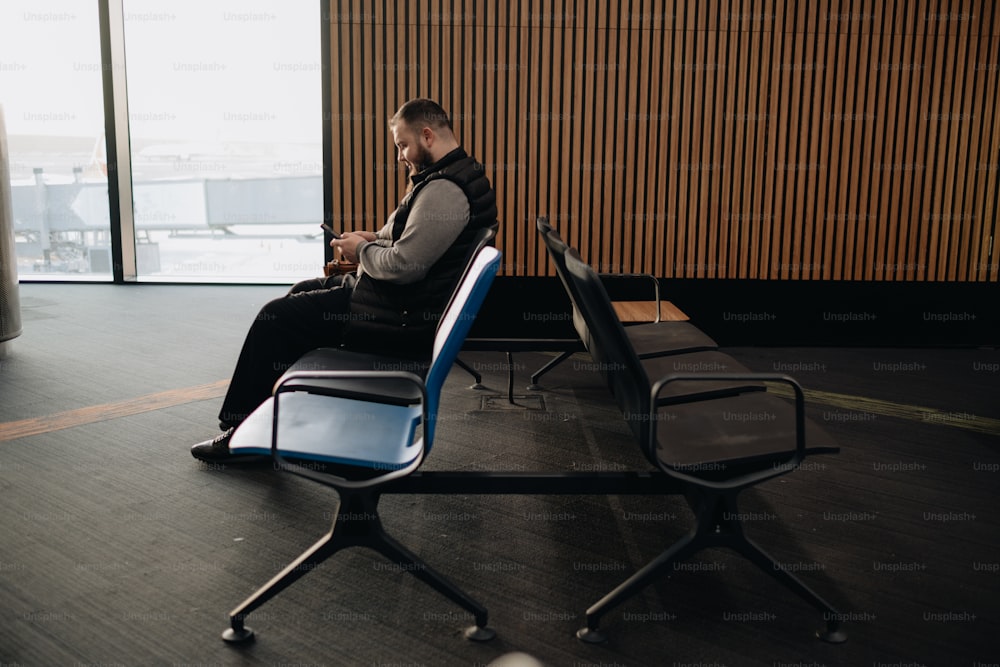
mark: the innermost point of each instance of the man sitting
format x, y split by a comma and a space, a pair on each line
406, 273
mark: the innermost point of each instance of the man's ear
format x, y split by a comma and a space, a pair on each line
428, 135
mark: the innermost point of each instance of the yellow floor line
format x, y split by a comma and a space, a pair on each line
98, 413
859, 405
862, 405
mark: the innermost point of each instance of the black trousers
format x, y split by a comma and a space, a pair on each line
313, 314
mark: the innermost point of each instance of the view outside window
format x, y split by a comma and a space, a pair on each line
225, 123
225, 127
50, 90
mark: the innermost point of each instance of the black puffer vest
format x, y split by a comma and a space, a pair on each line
400, 320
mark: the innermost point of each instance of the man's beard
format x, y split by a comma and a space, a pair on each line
422, 161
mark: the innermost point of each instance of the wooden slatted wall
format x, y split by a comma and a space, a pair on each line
778, 139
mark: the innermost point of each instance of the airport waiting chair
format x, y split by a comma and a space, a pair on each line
657, 310
714, 447
356, 430
663, 347
652, 339
630, 312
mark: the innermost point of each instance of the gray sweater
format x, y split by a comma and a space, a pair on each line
438, 215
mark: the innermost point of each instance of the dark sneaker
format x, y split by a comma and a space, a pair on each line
216, 450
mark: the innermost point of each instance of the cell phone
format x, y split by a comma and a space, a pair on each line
330, 230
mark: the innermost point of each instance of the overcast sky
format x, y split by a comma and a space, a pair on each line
198, 70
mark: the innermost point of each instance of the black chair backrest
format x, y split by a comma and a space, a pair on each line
483, 238
557, 252
609, 345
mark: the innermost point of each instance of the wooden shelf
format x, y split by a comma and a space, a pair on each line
645, 311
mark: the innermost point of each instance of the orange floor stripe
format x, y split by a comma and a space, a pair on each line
98, 413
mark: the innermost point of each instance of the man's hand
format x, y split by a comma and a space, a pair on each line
349, 242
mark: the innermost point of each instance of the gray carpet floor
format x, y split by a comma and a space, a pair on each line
118, 548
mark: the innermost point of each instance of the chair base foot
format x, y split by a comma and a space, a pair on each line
534, 387
591, 636
832, 635
478, 386
241, 636
478, 633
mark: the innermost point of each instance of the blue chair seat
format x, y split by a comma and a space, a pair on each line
316, 427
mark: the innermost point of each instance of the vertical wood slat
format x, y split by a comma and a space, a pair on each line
784, 139
988, 162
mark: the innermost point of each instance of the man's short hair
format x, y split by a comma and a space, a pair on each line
420, 113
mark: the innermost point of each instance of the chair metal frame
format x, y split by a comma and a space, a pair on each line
356, 521
712, 498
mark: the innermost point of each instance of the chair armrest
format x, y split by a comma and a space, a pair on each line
299, 381
656, 285
743, 480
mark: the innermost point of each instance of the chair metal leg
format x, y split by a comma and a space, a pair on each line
476, 376
411, 563
510, 378
708, 510
717, 524
317, 553
552, 363
681, 550
356, 523
833, 634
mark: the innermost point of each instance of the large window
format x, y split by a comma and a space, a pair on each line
225, 129
225, 116
50, 89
